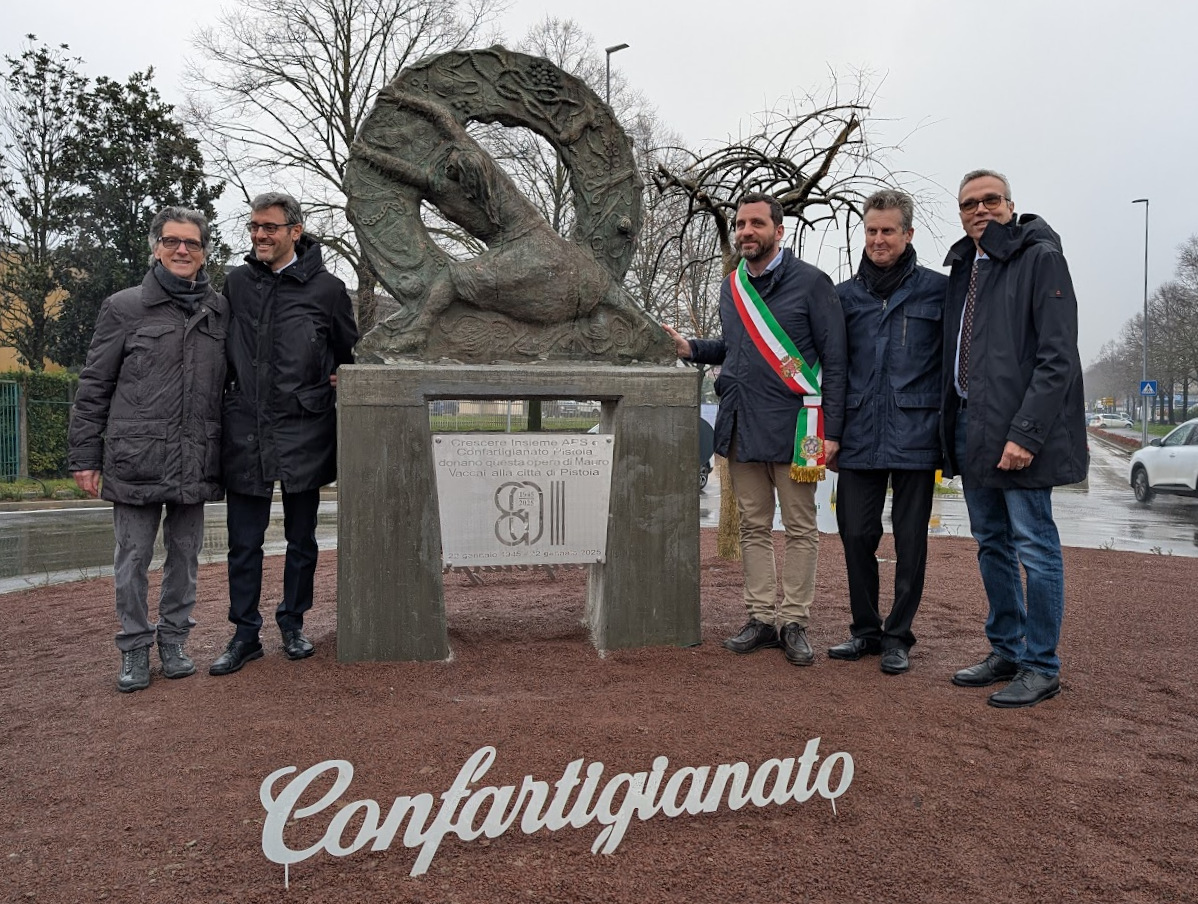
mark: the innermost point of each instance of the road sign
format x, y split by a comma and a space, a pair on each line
1148, 387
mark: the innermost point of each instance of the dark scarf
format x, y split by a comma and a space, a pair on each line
884, 283
184, 292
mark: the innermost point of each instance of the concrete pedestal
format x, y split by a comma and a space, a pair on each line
390, 596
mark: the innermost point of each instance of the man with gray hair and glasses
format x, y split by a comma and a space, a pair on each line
1013, 427
893, 315
292, 327
146, 420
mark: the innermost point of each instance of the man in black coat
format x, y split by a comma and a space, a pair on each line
779, 422
1013, 426
292, 327
893, 312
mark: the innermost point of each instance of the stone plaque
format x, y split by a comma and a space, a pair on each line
523, 499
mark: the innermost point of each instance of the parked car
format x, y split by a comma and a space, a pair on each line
1168, 465
1111, 420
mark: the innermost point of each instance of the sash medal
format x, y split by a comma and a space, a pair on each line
782, 355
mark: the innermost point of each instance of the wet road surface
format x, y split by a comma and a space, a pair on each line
1101, 513
40, 545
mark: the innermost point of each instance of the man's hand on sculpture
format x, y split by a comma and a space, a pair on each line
681, 343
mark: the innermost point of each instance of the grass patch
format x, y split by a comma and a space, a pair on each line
18, 490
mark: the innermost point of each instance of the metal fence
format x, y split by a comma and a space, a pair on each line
510, 415
10, 430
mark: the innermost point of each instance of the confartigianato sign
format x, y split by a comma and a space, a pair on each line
577, 799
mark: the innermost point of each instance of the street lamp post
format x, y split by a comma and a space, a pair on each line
1143, 398
609, 51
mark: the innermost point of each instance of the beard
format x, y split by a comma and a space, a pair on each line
761, 251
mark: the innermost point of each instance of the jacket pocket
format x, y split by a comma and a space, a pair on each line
317, 400
921, 325
212, 451
135, 451
917, 426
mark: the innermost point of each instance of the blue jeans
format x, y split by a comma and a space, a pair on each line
1014, 527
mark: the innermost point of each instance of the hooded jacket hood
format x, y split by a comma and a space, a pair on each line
1002, 241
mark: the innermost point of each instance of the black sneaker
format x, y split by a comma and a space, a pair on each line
135, 670
175, 663
753, 636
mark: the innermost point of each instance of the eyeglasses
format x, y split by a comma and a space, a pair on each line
269, 228
172, 243
990, 202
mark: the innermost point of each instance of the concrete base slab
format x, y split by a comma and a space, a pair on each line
390, 595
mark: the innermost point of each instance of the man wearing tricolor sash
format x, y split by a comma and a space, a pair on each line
781, 389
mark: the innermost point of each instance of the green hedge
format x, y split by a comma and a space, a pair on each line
48, 412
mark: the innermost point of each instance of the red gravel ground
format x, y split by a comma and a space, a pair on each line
154, 796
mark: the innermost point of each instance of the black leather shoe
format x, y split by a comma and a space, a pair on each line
895, 661
135, 671
854, 648
236, 654
296, 646
992, 669
753, 636
175, 663
1028, 689
795, 645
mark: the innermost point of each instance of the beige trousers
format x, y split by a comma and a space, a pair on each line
755, 484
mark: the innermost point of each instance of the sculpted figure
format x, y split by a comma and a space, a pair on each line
531, 293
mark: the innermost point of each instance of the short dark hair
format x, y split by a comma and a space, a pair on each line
179, 215
889, 199
291, 208
756, 197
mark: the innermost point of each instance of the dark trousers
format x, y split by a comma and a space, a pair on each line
860, 498
248, 518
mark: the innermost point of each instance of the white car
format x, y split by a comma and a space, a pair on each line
1110, 420
1168, 465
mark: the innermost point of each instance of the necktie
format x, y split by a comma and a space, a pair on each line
967, 329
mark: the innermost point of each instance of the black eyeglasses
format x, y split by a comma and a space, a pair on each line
269, 228
172, 243
990, 202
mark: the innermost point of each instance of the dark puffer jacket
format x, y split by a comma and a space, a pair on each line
290, 331
147, 412
1025, 374
892, 407
753, 399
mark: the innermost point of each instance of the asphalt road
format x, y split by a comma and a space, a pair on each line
44, 544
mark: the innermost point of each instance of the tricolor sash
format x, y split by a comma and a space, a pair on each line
782, 355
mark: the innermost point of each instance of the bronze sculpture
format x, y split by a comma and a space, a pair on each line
531, 294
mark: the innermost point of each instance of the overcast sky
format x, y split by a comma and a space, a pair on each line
1084, 105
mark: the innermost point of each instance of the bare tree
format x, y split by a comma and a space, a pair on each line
815, 155
287, 83
39, 95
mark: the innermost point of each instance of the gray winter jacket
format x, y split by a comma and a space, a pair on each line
147, 414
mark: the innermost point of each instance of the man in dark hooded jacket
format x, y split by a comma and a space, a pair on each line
147, 419
893, 313
1013, 426
292, 327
